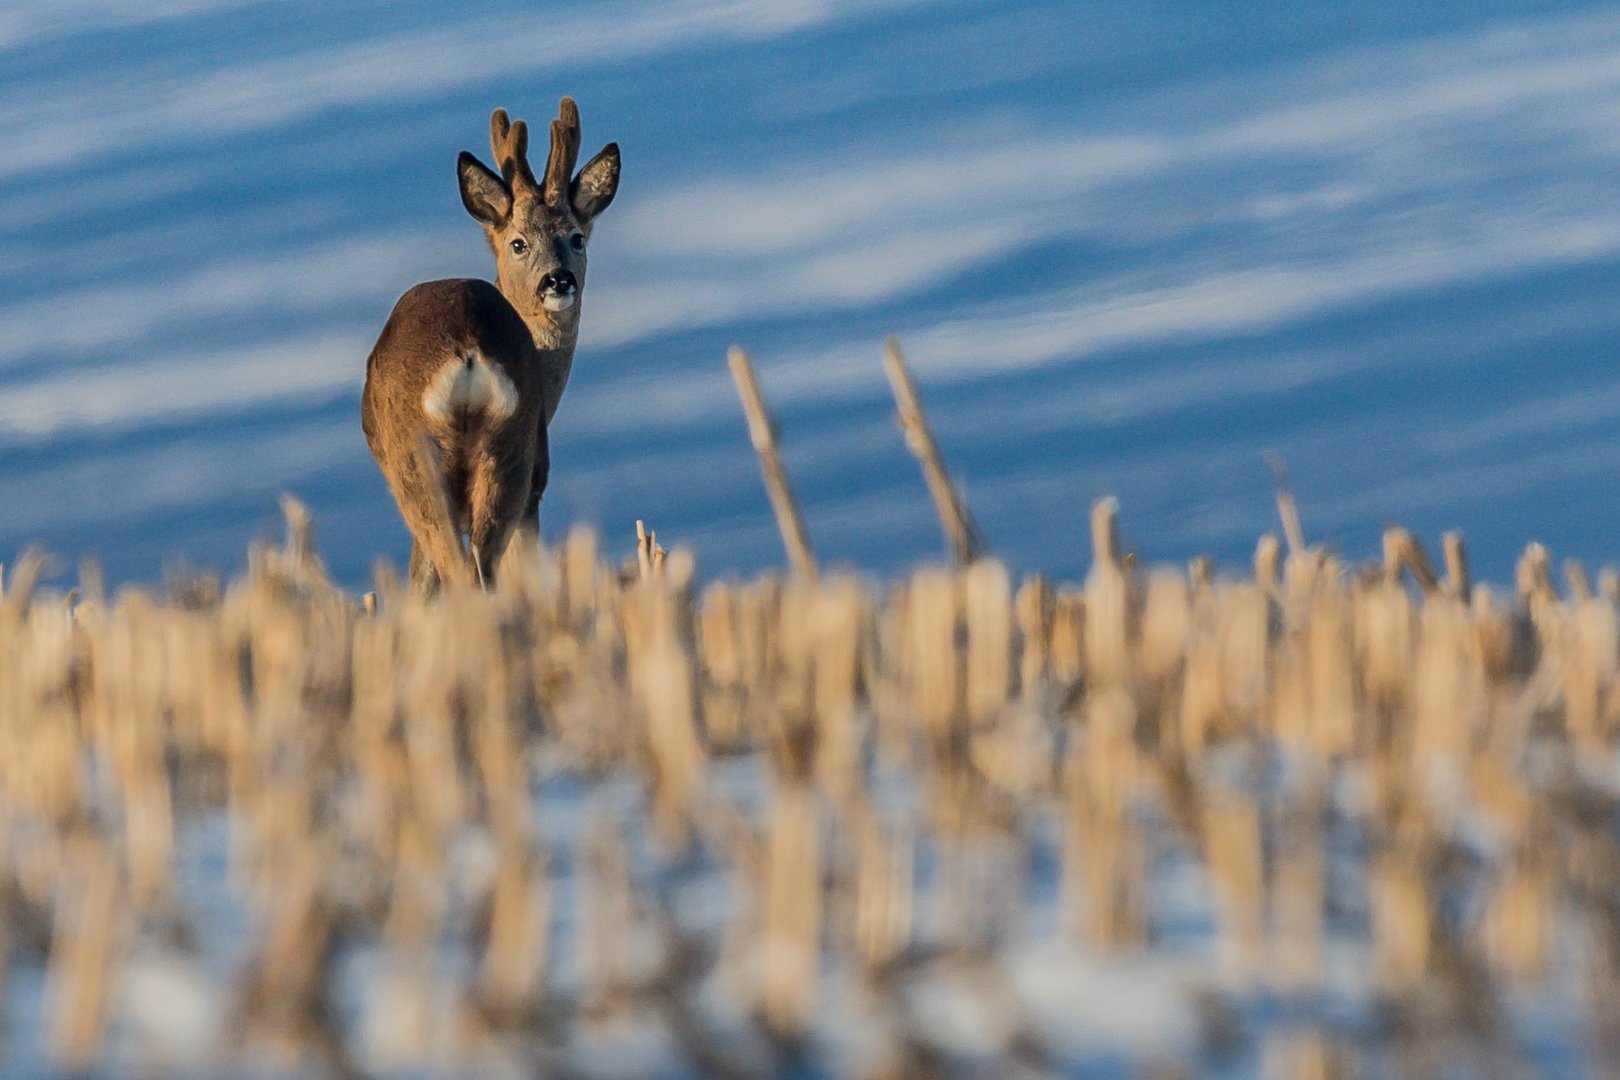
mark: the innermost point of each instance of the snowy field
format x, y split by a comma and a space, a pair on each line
1129, 249
1304, 826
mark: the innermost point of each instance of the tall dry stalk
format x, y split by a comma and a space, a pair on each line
762, 432
963, 535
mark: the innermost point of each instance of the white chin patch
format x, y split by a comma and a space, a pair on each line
557, 301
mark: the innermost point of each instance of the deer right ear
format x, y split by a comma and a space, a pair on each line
596, 183
484, 194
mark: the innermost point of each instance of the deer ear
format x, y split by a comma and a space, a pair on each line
596, 184
484, 194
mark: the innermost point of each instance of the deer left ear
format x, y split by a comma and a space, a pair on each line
596, 184
484, 194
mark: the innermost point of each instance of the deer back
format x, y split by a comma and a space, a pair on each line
432, 333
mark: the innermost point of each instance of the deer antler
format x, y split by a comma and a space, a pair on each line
509, 144
564, 152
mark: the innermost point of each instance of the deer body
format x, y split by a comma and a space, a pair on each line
466, 375
453, 410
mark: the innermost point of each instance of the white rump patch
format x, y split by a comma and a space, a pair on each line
469, 383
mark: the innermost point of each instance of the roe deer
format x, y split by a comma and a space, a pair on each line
466, 375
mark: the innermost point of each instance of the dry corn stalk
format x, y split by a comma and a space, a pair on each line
966, 542
762, 432
1233, 850
790, 930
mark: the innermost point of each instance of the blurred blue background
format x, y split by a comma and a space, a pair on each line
1129, 249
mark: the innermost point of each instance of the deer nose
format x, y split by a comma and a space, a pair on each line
559, 281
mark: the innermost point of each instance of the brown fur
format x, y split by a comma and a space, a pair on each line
485, 468
478, 473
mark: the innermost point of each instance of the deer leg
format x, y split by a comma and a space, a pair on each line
499, 489
422, 570
530, 521
418, 485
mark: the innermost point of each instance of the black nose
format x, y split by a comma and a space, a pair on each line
559, 281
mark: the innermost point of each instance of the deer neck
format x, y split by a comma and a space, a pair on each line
554, 345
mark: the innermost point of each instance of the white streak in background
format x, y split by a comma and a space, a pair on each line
301, 282
1231, 303
151, 479
199, 382
73, 121
863, 272
30, 22
984, 173
1437, 84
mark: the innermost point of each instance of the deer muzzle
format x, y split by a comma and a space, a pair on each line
558, 290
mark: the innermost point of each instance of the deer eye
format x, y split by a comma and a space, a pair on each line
577, 242
519, 245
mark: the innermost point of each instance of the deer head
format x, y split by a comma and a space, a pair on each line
539, 229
